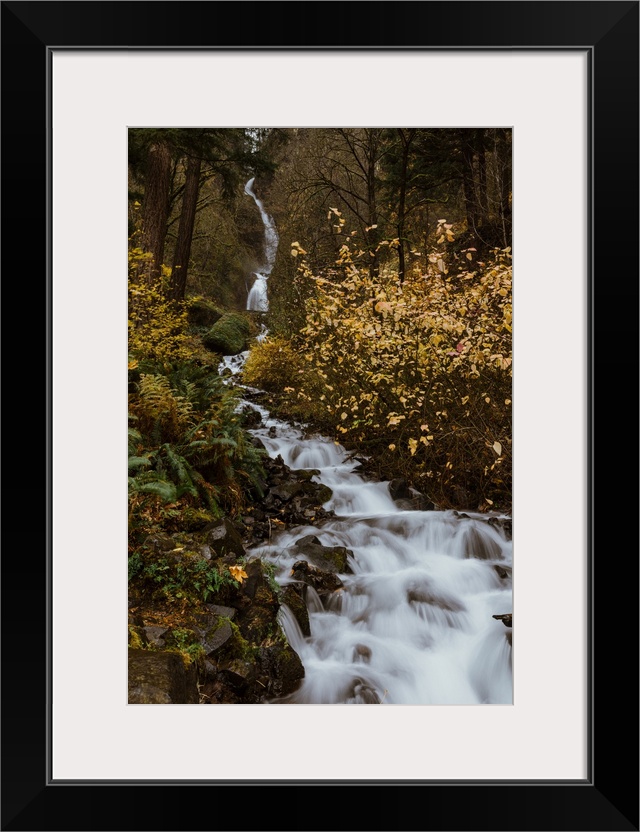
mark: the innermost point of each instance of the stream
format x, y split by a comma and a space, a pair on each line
414, 621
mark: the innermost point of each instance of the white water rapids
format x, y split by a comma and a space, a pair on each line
413, 623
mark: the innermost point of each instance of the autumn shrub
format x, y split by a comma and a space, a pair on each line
418, 369
158, 327
229, 335
273, 364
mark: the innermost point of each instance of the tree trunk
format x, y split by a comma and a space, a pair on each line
468, 183
504, 162
482, 177
182, 252
402, 201
156, 203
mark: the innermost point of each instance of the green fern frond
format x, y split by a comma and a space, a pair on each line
136, 462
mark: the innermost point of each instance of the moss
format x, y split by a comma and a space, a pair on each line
187, 644
229, 335
238, 646
135, 639
203, 312
195, 519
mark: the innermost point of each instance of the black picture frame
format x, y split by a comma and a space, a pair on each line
608, 798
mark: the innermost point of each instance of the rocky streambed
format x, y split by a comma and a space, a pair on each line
349, 591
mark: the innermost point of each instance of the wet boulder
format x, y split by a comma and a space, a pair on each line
399, 489
327, 558
293, 597
479, 544
283, 669
503, 524
323, 582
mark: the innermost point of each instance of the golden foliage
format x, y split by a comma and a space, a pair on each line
422, 364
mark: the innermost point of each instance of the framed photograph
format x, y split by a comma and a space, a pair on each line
562, 79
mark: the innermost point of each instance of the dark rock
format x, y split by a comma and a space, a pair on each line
292, 596
160, 542
479, 545
216, 637
504, 524
425, 596
305, 474
251, 417
362, 653
161, 678
205, 552
224, 539
155, 635
238, 675
287, 491
322, 582
326, 558
399, 489
420, 502
216, 609
506, 618
308, 539
282, 665
504, 572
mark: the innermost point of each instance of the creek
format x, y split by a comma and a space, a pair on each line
414, 620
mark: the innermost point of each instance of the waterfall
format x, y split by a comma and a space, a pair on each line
414, 622
258, 300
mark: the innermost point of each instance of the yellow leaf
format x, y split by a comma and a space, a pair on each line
343, 416
469, 256
487, 399
497, 447
413, 446
465, 400
507, 401
294, 252
488, 501
238, 573
392, 447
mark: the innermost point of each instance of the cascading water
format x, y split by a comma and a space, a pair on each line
257, 299
413, 623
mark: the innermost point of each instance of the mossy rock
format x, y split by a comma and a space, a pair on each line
203, 312
195, 519
229, 335
161, 678
292, 597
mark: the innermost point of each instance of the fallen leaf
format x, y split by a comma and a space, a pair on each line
238, 573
